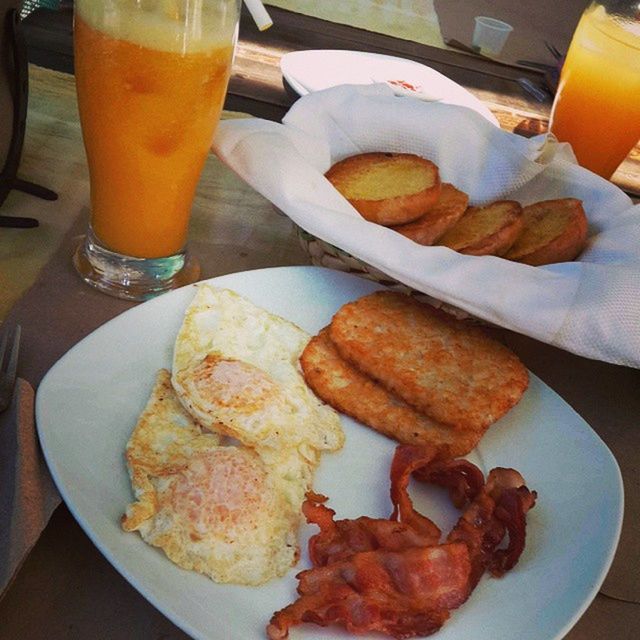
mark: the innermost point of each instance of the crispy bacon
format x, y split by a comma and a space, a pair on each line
462, 478
406, 460
403, 594
392, 575
493, 510
340, 539
405, 528
499, 509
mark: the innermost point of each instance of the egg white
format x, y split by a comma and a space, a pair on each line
220, 509
236, 368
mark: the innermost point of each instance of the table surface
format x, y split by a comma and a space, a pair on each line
66, 589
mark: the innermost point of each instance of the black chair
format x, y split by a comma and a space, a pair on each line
14, 91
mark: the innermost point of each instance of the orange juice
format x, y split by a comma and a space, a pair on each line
597, 108
150, 95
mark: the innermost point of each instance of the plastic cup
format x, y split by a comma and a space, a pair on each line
490, 35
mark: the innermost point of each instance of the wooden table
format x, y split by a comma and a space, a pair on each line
66, 589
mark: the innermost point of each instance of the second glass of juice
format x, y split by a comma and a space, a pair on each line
151, 77
597, 106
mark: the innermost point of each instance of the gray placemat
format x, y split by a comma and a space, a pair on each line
28, 495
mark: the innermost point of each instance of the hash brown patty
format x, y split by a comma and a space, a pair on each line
447, 369
346, 389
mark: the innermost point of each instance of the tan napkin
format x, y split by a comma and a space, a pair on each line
28, 495
589, 307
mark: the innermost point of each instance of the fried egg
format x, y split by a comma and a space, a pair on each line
214, 507
236, 369
162, 435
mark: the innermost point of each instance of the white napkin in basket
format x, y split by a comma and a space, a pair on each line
590, 307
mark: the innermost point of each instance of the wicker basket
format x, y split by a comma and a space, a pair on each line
323, 254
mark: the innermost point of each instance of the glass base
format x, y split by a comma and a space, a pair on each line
132, 278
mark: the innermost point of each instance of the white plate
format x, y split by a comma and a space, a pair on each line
89, 401
314, 70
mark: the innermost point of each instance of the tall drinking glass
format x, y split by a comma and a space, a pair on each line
597, 106
151, 77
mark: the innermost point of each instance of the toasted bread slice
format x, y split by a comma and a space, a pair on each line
387, 188
451, 371
350, 391
449, 208
554, 231
488, 230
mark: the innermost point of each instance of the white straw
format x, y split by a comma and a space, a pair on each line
259, 14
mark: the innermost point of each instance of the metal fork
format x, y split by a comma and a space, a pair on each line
537, 91
9, 347
555, 52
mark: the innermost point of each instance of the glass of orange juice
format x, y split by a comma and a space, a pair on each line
151, 78
597, 106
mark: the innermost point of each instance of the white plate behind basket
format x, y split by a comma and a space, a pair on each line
317, 69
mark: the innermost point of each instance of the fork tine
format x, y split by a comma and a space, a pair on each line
3, 345
8, 365
12, 367
555, 52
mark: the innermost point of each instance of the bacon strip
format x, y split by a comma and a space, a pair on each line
462, 478
403, 594
406, 460
340, 539
392, 575
500, 508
